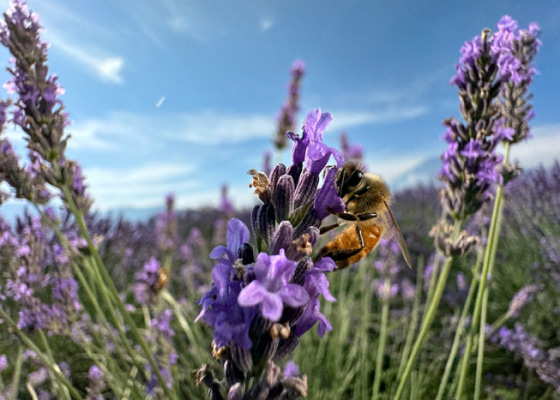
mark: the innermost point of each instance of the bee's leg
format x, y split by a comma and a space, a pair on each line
366, 216
355, 217
341, 255
328, 228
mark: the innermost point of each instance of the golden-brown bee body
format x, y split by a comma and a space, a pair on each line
367, 200
162, 279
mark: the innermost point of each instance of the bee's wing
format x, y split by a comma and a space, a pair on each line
399, 237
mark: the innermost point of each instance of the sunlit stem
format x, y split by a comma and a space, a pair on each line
413, 319
429, 315
107, 286
459, 332
17, 372
382, 341
491, 250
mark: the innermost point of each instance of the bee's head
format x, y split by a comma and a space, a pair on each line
349, 178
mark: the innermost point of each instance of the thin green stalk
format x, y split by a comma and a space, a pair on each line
55, 384
456, 339
381, 343
17, 372
433, 280
482, 295
44, 358
363, 336
428, 316
193, 338
413, 320
107, 286
527, 390
478, 305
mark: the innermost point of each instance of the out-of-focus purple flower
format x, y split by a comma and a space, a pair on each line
3, 362
271, 288
226, 205
291, 369
521, 298
146, 279
350, 152
162, 323
166, 226
96, 384
287, 114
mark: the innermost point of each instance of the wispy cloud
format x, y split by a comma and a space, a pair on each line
160, 102
349, 119
107, 68
82, 45
542, 149
142, 186
209, 128
265, 24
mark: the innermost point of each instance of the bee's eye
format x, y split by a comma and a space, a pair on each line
355, 178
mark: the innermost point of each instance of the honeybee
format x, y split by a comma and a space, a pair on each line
367, 200
162, 278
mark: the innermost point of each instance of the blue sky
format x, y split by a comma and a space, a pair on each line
181, 96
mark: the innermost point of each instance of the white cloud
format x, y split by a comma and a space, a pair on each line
209, 128
393, 167
142, 186
160, 102
541, 149
82, 44
107, 68
348, 119
266, 24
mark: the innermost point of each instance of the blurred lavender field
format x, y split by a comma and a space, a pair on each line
227, 303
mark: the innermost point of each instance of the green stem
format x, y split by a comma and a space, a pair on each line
429, 315
457, 338
488, 268
56, 387
44, 358
381, 344
17, 372
107, 286
413, 320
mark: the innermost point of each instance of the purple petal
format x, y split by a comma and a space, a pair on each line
271, 307
252, 294
294, 295
237, 234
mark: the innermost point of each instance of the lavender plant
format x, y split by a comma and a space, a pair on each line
487, 69
260, 306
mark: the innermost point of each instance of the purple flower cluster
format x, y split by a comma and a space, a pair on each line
389, 264
38, 268
287, 115
161, 338
39, 112
546, 362
146, 285
350, 152
260, 306
96, 384
517, 49
166, 226
490, 66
